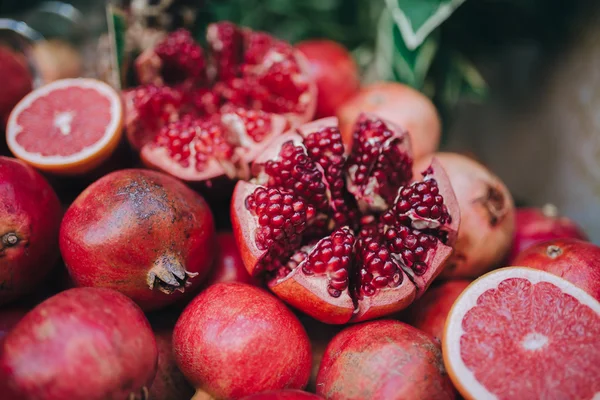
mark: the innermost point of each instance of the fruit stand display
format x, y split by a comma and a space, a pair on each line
227, 199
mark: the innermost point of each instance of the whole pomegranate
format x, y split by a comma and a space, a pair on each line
204, 116
16, 81
283, 395
574, 260
430, 311
234, 340
229, 266
30, 216
142, 233
399, 104
345, 237
334, 71
536, 225
83, 343
487, 216
383, 360
169, 383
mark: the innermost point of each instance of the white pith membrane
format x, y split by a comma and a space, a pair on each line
62, 121
534, 341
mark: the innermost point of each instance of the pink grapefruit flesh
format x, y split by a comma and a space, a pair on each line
68, 126
519, 333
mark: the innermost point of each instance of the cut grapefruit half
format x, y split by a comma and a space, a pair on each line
68, 126
519, 333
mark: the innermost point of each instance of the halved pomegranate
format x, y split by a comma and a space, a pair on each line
199, 115
344, 237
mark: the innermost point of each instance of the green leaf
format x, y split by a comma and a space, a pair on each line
394, 60
416, 19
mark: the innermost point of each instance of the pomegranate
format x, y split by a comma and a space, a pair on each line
283, 395
16, 81
430, 311
30, 216
397, 103
234, 340
383, 360
344, 238
83, 343
204, 115
334, 71
533, 225
169, 383
487, 216
574, 260
142, 233
228, 266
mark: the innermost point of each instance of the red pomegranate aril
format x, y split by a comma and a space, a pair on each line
380, 161
376, 265
147, 110
182, 59
487, 216
227, 48
250, 88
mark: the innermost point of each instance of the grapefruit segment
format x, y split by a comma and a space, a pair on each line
69, 126
520, 333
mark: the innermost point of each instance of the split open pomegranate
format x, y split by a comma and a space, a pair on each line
200, 115
344, 236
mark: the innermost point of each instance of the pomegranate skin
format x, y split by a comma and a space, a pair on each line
229, 266
30, 215
430, 311
284, 395
574, 260
83, 343
399, 104
334, 71
17, 81
536, 225
384, 360
234, 340
487, 214
169, 383
142, 233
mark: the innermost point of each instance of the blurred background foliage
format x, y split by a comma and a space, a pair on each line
441, 63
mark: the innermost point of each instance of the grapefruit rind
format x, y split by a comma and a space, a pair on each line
84, 160
462, 377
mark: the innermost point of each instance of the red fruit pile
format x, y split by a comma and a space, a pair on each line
203, 114
345, 237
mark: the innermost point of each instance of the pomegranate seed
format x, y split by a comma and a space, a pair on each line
182, 58
227, 47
